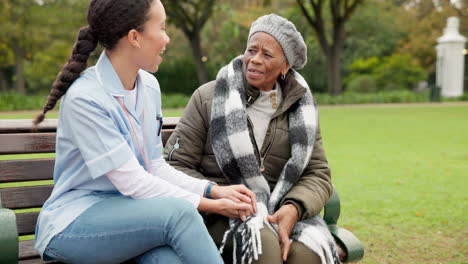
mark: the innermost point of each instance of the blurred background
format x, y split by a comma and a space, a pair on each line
368, 51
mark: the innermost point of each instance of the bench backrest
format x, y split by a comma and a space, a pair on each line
16, 137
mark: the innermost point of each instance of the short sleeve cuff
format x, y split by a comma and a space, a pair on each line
111, 160
200, 187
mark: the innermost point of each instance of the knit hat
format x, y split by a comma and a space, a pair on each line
286, 34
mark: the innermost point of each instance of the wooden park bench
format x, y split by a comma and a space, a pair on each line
18, 225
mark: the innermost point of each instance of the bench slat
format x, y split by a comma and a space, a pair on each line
49, 125
166, 133
27, 251
27, 143
25, 126
25, 197
40, 142
26, 170
26, 223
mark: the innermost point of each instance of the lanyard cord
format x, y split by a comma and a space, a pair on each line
142, 152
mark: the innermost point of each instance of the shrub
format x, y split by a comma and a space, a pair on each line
372, 98
12, 101
398, 72
362, 84
178, 76
174, 100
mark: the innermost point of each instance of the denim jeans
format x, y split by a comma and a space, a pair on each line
156, 230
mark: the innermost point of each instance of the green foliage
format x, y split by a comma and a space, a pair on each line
225, 37
372, 98
11, 101
174, 100
178, 76
395, 72
362, 84
15, 102
360, 67
44, 31
373, 31
398, 72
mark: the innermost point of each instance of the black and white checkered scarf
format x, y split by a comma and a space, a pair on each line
235, 156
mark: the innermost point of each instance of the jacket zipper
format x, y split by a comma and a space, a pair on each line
261, 157
270, 144
176, 147
252, 136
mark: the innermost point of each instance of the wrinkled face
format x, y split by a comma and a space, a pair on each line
264, 61
153, 38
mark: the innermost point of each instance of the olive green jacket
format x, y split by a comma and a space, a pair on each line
189, 148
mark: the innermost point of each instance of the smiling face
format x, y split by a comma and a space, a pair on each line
153, 38
264, 61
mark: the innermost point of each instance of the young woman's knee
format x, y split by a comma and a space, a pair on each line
185, 209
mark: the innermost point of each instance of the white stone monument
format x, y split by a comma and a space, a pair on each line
451, 60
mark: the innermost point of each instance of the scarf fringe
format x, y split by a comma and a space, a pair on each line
246, 239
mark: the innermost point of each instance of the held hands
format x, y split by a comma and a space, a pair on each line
233, 209
286, 217
240, 196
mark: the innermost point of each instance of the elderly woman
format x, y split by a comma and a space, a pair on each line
257, 124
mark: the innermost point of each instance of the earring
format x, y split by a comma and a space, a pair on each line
283, 76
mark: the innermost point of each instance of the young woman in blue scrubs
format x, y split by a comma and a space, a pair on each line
115, 198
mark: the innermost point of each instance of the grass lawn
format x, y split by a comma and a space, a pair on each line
402, 175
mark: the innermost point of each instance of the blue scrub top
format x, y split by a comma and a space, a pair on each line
94, 137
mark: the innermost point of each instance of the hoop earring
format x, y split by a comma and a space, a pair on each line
283, 76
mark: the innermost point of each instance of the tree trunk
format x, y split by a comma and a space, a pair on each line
19, 73
202, 71
334, 60
3, 82
334, 71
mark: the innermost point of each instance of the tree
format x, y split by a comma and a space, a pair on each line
331, 43
190, 16
36, 39
425, 22
15, 16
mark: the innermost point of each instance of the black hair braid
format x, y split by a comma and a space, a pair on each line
84, 45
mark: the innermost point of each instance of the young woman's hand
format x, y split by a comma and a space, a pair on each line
236, 193
226, 207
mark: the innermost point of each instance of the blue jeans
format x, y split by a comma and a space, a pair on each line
156, 230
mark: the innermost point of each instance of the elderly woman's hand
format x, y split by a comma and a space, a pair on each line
286, 217
236, 193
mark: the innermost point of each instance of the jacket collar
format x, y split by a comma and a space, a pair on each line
110, 81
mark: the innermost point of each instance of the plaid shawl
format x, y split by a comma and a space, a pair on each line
236, 157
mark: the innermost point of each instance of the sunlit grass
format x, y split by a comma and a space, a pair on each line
402, 174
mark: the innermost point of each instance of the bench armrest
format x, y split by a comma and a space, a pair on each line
332, 209
8, 236
351, 244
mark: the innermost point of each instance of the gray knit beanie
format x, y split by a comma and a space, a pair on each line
286, 34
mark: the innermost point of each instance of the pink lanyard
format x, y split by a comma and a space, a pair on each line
142, 152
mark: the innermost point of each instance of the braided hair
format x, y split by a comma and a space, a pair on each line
109, 21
